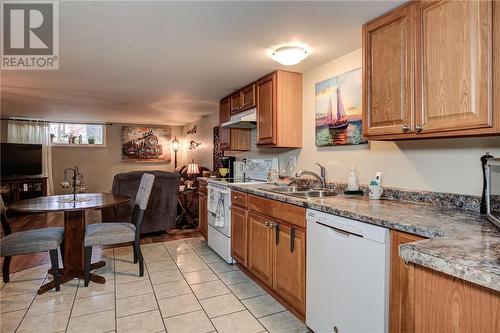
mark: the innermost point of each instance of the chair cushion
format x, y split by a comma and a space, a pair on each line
109, 233
31, 241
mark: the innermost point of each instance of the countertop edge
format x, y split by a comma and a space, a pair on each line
485, 279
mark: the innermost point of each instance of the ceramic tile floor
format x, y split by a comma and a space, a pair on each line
186, 288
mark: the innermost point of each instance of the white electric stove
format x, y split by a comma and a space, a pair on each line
219, 203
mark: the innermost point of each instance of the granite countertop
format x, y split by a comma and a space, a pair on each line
462, 244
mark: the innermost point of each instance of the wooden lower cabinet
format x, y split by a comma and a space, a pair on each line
239, 234
260, 242
401, 299
447, 304
289, 265
276, 256
203, 213
423, 300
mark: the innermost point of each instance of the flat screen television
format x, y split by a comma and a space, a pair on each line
21, 159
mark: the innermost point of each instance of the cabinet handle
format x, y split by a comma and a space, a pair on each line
405, 128
266, 224
292, 239
270, 224
277, 240
419, 128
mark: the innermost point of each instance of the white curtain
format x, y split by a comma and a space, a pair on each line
35, 132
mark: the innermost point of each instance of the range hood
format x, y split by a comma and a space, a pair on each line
245, 119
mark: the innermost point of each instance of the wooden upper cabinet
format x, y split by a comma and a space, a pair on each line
248, 97
279, 110
430, 70
454, 65
388, 45
260, 248
266, 110
236, 102
289, 265
224, 110
243, 99
235, 139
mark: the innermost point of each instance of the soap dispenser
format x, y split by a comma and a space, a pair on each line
352, 185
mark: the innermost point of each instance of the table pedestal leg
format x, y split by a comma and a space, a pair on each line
74, 231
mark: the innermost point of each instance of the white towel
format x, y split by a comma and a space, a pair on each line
213, 199
219, 213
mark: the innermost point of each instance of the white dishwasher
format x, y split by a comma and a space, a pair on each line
347, 275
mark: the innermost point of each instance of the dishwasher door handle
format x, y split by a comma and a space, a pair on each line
340, 231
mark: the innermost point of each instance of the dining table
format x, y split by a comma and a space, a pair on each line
74, 208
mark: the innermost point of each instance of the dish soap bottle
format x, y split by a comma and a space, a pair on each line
352, 185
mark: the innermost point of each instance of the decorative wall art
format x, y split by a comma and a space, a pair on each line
146, 144
338, 110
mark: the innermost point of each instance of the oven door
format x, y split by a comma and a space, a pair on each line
226, 228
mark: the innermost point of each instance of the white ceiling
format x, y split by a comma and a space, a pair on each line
170, 62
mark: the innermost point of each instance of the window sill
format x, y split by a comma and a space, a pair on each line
78, 145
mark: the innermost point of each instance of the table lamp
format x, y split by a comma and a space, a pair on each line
192, 171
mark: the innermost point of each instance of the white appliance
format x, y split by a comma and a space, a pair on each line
347, 282
238, 170
219, 204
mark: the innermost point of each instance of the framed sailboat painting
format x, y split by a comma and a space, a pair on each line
338, 110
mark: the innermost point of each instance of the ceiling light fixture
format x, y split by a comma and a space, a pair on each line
290, 55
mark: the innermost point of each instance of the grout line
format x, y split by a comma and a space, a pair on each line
72, 305
31, 303
114, 275
154, 293
201, 306
238, 298
137, 313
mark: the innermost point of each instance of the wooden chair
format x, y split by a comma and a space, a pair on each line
30, 241
115, 233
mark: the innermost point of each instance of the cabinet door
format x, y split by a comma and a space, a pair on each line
289, 265
401, 299
203, 214
224, 137
266, 110
239, 139
248, 97
454, 65
239, 233
447, 304
260, 247
224, 110
388, 102
236, 104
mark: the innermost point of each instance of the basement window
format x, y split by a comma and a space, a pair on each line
78, 135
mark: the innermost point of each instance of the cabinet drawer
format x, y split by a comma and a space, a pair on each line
239, 198
285, 212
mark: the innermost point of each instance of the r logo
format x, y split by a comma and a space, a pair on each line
28, 29
30, 35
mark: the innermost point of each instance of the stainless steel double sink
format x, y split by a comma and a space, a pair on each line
301, 192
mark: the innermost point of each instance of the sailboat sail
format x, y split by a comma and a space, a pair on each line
342, 121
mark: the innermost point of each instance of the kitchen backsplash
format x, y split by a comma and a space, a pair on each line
445, 200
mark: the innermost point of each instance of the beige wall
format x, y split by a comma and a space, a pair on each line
98, 164
445, 165
203, 155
